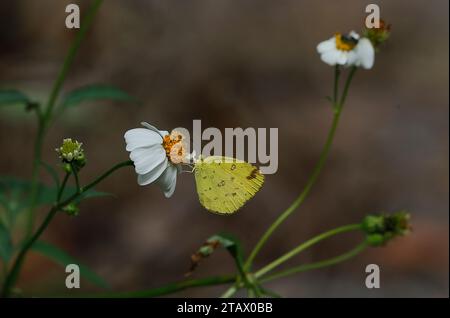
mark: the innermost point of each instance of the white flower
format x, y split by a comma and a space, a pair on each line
150, 150
365, 53
347, 50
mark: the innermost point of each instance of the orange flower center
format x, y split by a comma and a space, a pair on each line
174, 147
345, 43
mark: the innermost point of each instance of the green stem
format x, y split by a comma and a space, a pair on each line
85, 25
172, 288
315, 174
325, 263
337, 73
346, 87
46, 116
229, 292
63, 185
96, 181
35, 177
304, 246
13, 274
75, 175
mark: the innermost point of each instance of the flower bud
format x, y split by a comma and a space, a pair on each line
71, 153
380, 229
71, 209
378, 35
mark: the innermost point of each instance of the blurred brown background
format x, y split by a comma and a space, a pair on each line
242, 64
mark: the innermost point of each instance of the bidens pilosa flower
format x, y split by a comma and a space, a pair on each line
71, 154
347, 50
157, 156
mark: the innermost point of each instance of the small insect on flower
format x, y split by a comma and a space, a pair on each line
347, 50
157, 156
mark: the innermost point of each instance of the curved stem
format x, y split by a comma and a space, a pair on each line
315, 174
172, 288
325, 263
47, 113
305, 245
13, 274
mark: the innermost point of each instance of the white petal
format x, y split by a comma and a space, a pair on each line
148, 158
331, 57
343, 58
366, 53
162, 133
144, 179
168, 180
326, 45
141, 137
352, 58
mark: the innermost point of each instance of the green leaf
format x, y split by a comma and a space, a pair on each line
6, 247
60, 257
96, 92
232, 245
14, 194
13, 97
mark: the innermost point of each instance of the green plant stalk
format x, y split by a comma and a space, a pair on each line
75, 175
346, 228
14, 273
316, 172
63, 185
304, 246
325, 263
230, 291
337, 74
171, 288
44, 120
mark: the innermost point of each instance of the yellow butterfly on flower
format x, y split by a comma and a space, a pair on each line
224, 184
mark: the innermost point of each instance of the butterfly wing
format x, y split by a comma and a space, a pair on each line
225, 184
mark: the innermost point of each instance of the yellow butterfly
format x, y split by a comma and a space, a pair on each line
225, 184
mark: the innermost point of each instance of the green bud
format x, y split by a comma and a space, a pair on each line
67, 167
71, 209
375, 239
71, 154
373, 223
380, 229
378, 35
